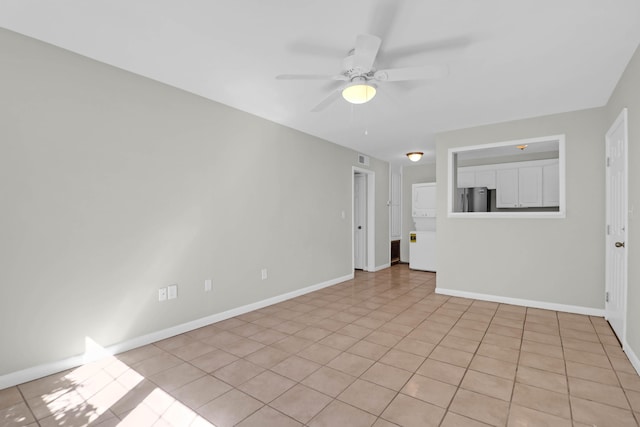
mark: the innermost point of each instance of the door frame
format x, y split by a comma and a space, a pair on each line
621, 120
370, 265
360, 219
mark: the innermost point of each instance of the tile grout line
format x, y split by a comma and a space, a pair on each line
515, 376
376, 361
342, 351
414, 328
26, 403
459, 387
566, 371
624, 390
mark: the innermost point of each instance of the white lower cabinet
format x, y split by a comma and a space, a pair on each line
530, 186
507, 188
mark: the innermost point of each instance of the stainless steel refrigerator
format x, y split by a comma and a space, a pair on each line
472, 199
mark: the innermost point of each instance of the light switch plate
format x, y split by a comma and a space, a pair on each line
207, 285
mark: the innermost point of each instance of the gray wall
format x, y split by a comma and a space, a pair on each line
412, 174
627, 94
551, 260
113, 185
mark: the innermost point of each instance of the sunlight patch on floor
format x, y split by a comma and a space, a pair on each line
86, 395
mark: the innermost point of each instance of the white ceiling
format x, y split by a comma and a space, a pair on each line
507, 59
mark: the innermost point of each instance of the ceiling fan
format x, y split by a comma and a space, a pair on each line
361, 76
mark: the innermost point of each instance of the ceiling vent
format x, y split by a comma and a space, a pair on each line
363, 160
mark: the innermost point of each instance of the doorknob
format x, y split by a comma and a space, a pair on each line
360, 228
619, 244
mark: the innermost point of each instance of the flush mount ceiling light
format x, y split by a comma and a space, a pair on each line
359, 91
522, 147
414, 156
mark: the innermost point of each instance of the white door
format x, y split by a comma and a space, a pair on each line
616, 142
359, 221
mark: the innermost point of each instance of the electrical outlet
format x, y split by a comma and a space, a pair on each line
162, 294
264, 274
207, 285
172, 291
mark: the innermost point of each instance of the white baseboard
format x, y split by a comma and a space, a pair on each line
523, 302
633, 357
29, 374
381, 267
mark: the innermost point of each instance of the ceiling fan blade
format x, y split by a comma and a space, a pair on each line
412, 73
450, 43
383, 17
365, 52
310, 77
333, 96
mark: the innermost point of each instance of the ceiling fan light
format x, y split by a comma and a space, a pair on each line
414, 156
359, 93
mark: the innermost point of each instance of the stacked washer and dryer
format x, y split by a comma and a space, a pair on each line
422, 241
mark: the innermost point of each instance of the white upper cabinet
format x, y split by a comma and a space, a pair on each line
486, 178
466, 178
479, 176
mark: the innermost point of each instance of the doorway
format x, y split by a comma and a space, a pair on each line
363, 219
616, 141
359, 221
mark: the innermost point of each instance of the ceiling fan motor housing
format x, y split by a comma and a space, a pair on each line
354, 70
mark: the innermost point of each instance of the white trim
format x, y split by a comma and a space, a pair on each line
497, 215
452, 180
633, 357
523, 302
35, 372
371, 221
371, 217
393, 237
526, 141
622, 117
382, 267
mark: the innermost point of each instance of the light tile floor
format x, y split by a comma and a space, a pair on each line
382, 350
